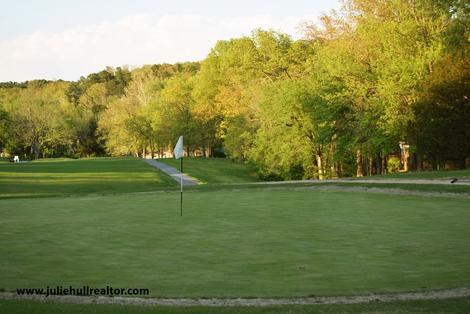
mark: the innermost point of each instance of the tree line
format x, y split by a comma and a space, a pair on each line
336, 102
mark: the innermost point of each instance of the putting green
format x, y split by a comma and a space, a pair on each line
258, 242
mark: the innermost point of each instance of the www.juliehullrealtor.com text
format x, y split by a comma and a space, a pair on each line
83, 291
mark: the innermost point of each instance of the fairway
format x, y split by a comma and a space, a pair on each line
268, 242
52, 177
215, 170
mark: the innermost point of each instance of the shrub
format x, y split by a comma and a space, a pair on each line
393, 164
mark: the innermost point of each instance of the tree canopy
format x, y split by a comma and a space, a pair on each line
336, 102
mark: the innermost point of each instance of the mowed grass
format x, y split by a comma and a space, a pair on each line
434, 188
51, 177
271, 242
457, 305
442, 174
215, 170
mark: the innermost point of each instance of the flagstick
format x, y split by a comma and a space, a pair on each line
181, 182
178, 153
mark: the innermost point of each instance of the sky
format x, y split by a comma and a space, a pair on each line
66, 39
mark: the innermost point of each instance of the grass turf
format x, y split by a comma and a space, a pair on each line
463, 189
260, 242
51, 177
234, 240
436, 188
457, 305
442, 174
215, 170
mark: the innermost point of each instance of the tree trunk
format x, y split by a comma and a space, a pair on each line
371, 166
384, 165
319, 166
378, 164
359, 169
334, 171
405, 164
413, 162
35, 149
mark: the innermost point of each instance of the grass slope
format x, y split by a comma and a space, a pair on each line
458, 305
258, 242
68, 176
437, 188
442, 174
215, 170
430, 188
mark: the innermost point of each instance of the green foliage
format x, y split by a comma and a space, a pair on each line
113, 80
393, 164
442, 126
39, 119
334, 103
285, 140
5, 125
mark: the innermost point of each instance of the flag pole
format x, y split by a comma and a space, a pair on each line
178, 153
181, 183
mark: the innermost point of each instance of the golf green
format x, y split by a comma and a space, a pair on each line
269, 242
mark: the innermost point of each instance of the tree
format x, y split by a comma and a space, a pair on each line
442, 126
5, 125
42, 120
175, 104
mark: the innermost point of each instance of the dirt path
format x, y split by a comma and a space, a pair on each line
405, 181
320, 185
427, 295
375, 181
391, 191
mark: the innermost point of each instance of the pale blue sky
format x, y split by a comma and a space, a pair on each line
68, 38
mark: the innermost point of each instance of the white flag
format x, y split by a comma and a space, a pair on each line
178, 151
